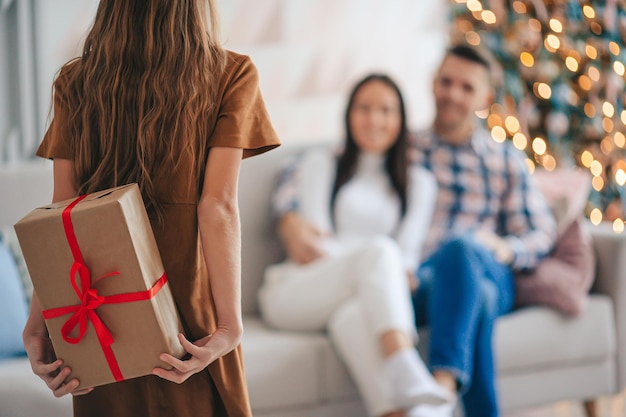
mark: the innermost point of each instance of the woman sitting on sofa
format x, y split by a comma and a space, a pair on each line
373, 210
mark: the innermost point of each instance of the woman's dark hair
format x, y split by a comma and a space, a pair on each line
396, 162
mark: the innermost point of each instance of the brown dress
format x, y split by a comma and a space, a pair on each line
241, 122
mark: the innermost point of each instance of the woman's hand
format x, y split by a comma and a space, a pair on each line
301, 239
203, 352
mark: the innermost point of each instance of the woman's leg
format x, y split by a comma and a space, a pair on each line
304, 297
387, 316
357, 346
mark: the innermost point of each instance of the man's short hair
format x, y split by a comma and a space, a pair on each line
471, 54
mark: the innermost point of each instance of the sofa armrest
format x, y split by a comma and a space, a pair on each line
610, 252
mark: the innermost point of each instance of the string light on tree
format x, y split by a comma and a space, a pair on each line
561, 89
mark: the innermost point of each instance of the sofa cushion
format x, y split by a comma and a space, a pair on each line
286, 369
9, 239
563, 279
13, 306
540, 338
24, 394
260, 245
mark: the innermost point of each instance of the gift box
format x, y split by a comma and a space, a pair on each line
97, 272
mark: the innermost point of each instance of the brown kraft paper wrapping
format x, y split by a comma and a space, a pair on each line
114, 235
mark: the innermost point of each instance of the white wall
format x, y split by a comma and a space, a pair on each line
60, 29
6, 118
17, 94
308, 52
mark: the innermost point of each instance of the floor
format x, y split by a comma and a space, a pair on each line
607, 407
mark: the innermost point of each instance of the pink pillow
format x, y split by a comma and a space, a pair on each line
563, 279
566, 191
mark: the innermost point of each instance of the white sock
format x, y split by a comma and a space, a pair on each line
411, 382
428, 410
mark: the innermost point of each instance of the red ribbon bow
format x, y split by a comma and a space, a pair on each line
90, 300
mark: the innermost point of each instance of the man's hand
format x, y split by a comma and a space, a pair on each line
300, 238
498, 246
414, 281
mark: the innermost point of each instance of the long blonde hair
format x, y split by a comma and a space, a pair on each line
141, 94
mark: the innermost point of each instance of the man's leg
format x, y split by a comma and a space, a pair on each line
462, 290
480, 399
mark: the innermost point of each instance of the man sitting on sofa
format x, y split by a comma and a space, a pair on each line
490, 221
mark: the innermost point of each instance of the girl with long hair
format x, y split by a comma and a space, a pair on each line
372, 212
154, 99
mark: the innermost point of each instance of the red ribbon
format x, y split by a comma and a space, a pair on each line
90, 300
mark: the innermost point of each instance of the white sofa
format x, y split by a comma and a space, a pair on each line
542, 357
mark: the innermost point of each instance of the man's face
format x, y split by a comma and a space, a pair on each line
461, 88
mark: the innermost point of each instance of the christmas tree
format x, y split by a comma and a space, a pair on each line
561, 96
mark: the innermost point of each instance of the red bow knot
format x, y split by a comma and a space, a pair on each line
84, 312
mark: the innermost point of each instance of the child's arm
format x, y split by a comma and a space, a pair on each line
220, 233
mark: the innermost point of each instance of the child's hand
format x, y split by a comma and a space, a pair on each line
203, 352
45, 365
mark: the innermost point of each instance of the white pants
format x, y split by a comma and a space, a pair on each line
356, 296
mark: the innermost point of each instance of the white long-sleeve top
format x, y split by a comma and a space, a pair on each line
366, 206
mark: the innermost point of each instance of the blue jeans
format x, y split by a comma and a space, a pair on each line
463, 289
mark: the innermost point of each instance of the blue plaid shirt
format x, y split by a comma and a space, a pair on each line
486, 185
